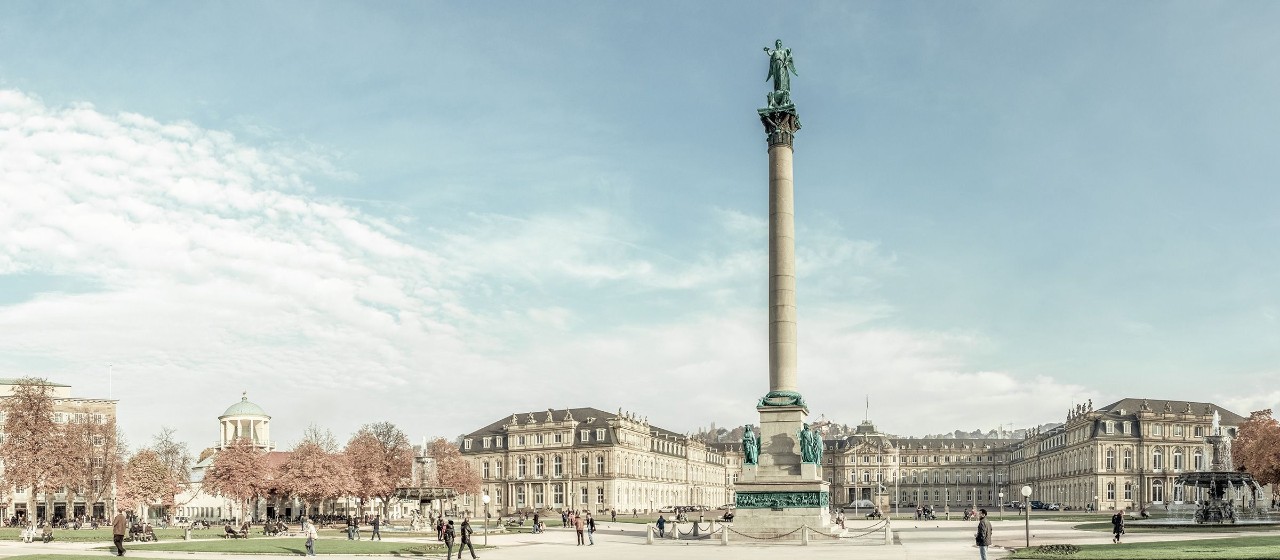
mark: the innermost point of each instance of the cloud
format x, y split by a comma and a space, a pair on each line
213, 267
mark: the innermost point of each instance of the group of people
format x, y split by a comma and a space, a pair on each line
446, 532
353, 528
30, 533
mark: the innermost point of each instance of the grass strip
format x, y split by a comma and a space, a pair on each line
1233, 548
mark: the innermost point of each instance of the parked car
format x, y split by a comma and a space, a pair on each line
667, 509
1053, 507
1037, 504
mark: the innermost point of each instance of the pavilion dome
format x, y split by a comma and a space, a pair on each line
244, 408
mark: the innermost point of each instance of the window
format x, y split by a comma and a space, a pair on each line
599, 434
519, 495
1128, 459
1157, 491
1199, 431
584, 435
520, 440
539, 467
538, 495
466, 443
1157, 459
557, 464
600, 495
537, 439
522, 466
584, 465
484, 470
487, 442
557, 494
1111, 427
1111, 459
497, 442
1197, 460
498, 467
1111, 491
599, 464
97, 441
1177, 459
1128, 491
1125, 427
558, 437
1177, 430
584, 495
1157, 429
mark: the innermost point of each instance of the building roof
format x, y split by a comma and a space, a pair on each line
587, 418
1132, 406
15, 380
244, 408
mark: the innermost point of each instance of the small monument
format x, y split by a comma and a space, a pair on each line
781, 488
1219, 480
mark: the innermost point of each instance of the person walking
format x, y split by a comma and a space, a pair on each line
448, 541
1117, 526
377, 524
591, 529
983, 537
309, 530
465, 532
351, 528
440, 528
662, 526
536, 528
119, 526
580, 525
613, 515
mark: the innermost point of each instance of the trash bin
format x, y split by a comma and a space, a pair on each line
186, 533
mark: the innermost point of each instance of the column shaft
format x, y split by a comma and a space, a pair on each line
782, 271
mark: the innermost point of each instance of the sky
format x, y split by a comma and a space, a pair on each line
442, 213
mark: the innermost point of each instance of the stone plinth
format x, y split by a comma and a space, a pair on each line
781, 493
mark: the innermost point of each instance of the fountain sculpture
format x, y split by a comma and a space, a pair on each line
1218, 507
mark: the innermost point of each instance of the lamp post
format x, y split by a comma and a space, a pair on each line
1026, 506
485, 499
1095, 503
1001, 506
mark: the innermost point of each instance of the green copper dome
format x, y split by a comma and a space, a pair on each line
245, 408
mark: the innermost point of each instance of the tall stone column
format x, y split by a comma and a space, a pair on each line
782, 260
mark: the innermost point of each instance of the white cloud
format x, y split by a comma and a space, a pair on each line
217, 269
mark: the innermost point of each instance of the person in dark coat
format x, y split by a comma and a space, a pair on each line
591, 529
983, 537
377, 525
448, 541
465, 533
662, 526
536, 528
119, 526
1117, 526
440, 528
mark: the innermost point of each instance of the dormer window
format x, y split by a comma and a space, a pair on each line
466, 444
1111, 427
1125, 427
487, 442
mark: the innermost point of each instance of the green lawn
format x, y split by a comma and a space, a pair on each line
294, 545
1237, 548
1105, 527
10, 534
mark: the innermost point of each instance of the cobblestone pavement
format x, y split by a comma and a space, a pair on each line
934, 540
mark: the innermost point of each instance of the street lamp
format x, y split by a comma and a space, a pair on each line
1026, 506
1095, 503
485, 499
1001, 506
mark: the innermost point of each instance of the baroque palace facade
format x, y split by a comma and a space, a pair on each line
585, 458
1124, 455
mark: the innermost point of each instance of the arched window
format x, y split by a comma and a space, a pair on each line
498, 467
914, 479
600, 464
1111, 491
1128, 491
1157, 491
1197, 460
484, 469
522, 467
584, 465
1157, 459
519, 495
539, 468
557, 464
1128, 459
1177, 459
866, 476
1111, 459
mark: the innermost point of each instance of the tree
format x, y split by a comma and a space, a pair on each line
145, 481
99, 445
451, 470
176, 459
34, 453
238, 472
1256, 448
381, 461
314, 475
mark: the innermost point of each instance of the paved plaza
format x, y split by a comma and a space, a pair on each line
935, 540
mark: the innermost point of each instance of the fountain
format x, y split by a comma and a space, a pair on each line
1220, 480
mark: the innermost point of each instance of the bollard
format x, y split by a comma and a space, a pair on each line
888, 532
675, 531
724, 535
804, 535
648, 534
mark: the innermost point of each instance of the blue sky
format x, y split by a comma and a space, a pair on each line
354, 210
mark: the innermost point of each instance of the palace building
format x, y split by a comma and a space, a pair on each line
585, 458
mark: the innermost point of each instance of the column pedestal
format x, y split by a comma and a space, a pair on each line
781, 493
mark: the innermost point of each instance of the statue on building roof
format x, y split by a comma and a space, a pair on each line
1090, 404
532, 420
549, 418
1168, 407
1188, 410
1145, 405
568, 415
